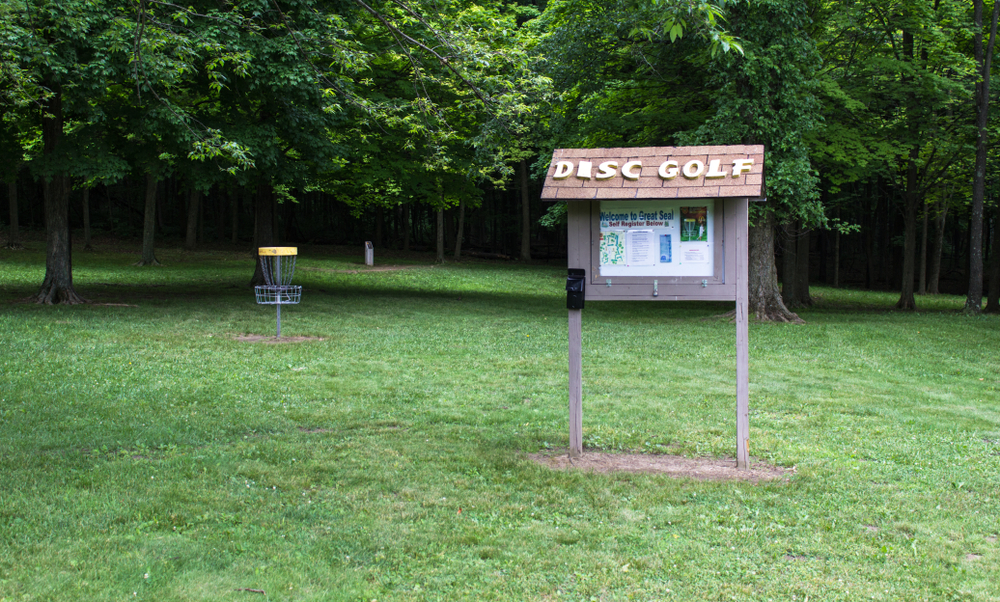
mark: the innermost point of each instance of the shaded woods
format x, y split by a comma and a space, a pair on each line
427, 127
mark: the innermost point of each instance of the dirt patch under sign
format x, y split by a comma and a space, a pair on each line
256, 338
706, 469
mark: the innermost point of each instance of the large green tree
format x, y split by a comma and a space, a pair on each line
767, 96
631, 73
53, 79
446, 93
627, 73
73, 72
895, 86
984, 63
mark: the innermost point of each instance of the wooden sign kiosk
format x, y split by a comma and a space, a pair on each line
657, 224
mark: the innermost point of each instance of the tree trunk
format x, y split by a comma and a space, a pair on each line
522, 169
922, 284
449, 228
200, 219
934, 271
439, 256
164, 186
57, 287
910, 196
993, 297
494, 226
802, 267
836, 253
886, 260
86, 219
194, 210
824, 256
397, 221
795, 267
14, 241
219, 198
984, 59
788, 263
460, 230
149, 223
418, 220
869, 234
58, 284
234, 208
406, 227
263, 227
111, 213
906, 299
289, 229
439, 247
765, 297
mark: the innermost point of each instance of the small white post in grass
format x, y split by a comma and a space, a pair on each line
369, 253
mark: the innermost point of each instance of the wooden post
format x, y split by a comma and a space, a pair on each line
575, 383
742, 338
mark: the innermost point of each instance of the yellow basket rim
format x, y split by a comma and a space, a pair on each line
278, 251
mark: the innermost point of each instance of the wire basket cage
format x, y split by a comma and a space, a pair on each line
278, 265
278, 295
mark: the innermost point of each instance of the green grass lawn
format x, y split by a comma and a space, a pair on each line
146, 454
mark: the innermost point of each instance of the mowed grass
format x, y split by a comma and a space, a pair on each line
145, 453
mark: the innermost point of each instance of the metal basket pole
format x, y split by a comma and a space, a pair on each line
277, 280
278, 265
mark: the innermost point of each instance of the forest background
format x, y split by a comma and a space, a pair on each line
428, 125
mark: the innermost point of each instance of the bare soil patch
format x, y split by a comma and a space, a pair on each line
704, 469
259, 338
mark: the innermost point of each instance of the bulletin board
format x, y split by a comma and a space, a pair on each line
662, 223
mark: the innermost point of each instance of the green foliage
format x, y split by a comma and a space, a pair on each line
554, 217
262, 89
766, 96
628, 75
454, 113
879, 102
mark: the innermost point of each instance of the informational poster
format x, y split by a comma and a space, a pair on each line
640, 246
657, 238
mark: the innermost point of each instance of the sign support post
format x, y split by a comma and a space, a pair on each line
575, 383
742, 336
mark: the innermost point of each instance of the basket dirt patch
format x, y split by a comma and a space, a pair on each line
366, 269
259, 338
705, 469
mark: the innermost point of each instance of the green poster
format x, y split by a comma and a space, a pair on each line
612, 248
694, 224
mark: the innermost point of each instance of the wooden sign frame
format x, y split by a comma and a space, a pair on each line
726, 178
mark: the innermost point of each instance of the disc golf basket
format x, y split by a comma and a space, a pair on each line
278, 264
